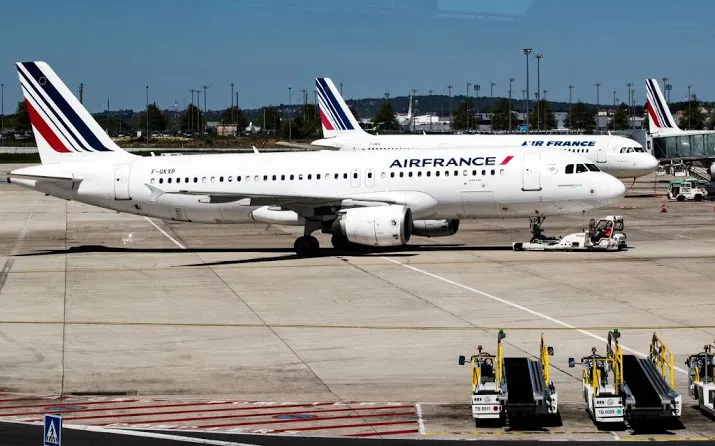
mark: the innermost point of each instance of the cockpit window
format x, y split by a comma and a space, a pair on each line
569, 168
593, 168
580, 168
639, 149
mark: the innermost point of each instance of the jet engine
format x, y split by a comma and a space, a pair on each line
435, 228
375, 225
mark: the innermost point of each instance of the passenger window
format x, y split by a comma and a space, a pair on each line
161, 180
152, 180
291, 177
484, 172
464, 173
369, 174
256, 178
337, 176
317, 177
402, 174
383, 175
196, 179
248, 178
456, 173
300, 176
446, 173
238, 178
474, 173
220, 179
203, 179
283, 177
436, 173
409, 174
265, 177
274, 177
569, 168
493, 172
355, 175
392, 174
345, 176
419, 174
186, 180
429, 173
310, 176
230, 179
168, 180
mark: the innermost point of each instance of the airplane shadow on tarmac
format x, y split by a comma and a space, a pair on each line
398, 251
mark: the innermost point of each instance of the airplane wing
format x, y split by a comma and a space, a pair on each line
298, 145
293, 202
67, 182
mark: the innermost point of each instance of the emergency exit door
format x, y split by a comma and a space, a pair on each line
121, 182
531, 171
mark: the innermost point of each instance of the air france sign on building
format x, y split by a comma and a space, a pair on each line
552, 143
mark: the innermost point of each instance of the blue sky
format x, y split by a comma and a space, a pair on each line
372, 46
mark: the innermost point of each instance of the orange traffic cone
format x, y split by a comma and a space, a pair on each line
663, 208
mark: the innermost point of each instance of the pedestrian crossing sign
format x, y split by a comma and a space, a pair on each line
53, 430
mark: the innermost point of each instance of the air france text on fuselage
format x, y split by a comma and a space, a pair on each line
559, 143
448, 162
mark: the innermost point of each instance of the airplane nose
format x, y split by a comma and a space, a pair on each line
650, 162
612, 190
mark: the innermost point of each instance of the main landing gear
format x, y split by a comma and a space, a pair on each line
307, 245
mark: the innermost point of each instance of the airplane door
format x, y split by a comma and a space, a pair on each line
121, 182
601, 150
355, 178
370, 178
531, 172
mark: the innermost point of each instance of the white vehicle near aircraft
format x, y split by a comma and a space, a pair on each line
619, 156
373, 199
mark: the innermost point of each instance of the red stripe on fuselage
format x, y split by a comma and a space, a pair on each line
326, 122
506, 160
45, 130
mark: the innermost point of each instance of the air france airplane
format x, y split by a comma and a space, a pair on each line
375, 199
619, 156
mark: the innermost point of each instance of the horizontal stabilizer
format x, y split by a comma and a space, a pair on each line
67, 182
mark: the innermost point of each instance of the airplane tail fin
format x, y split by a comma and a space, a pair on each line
64, 130
660, 118
335, 114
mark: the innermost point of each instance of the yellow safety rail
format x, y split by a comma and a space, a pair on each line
500, 357
615, 354
545, 359
661, 355
477, 361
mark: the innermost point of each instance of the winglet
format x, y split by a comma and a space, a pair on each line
335, 115
155, 192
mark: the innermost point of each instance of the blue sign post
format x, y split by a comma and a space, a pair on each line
53, 430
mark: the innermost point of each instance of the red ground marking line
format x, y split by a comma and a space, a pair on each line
65, 402
300, 420
161, 406
344, 426
218, 417
374, 434
29, 398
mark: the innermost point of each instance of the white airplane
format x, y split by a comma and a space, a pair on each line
619, 156
375, 199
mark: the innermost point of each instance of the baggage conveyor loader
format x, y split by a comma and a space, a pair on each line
701, 385
638, 389
510, 388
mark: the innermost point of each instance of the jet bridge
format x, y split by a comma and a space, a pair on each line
510, 388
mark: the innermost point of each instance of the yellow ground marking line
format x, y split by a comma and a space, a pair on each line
359, 327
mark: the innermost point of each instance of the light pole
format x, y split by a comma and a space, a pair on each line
491, 101
198, 111
477, 87
232, 104
451, 117
414, 93
2, 113
690, 99
538, 88
467, 103
570, 100
630, 118
598, 100
341, 88
665, 87
614, 110
430, 108
191, 113
203, 129
526, 52
511, 80
290, 103
305, 101
147, 115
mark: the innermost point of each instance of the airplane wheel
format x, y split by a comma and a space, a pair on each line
306, 246
340, 242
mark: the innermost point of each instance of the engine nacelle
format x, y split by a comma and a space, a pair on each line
435, 228
375, 226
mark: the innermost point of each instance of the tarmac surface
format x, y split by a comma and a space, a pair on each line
170, 326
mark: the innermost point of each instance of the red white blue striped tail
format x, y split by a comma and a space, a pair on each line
64, 129
335, 115
660, 119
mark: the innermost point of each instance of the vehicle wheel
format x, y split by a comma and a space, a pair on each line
340, 242
306, 246
698, 197
681, 198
